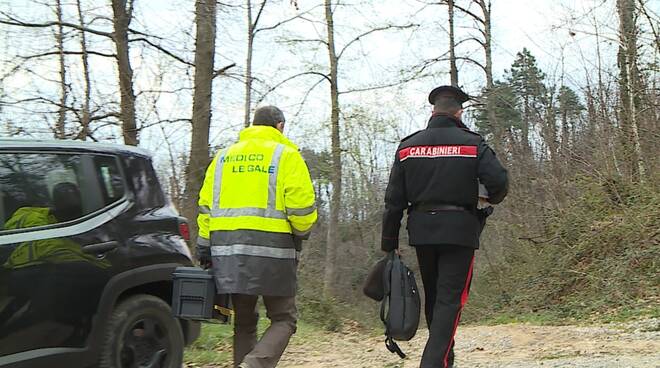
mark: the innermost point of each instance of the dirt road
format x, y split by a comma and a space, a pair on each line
634, 344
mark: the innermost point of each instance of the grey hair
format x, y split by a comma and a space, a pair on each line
268, 115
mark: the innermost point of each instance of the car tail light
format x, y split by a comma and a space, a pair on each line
184, 230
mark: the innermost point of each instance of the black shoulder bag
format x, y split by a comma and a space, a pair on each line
400, 308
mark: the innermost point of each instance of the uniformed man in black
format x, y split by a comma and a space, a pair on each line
435, 177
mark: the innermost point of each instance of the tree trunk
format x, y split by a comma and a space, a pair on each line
205, 18
85, 118
335, 201
565, 132
488, 40
123, 13
248, 66
629, 88
59, 38
453, 71
550, 136
496, 127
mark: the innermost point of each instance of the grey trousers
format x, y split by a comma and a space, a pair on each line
266, 352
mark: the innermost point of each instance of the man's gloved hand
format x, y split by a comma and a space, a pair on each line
204, 257
482, 215
297, 243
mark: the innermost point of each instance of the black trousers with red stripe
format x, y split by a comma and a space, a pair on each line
446, 274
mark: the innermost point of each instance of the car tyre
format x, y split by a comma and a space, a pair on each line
142, 334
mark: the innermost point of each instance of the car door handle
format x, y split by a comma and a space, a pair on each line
100, 248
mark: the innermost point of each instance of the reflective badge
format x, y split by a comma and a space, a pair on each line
438, 152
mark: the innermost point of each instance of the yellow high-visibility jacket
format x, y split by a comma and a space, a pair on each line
257, 194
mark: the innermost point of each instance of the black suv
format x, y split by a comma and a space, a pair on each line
88, 243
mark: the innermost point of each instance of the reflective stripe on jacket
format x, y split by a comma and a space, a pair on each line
256, 194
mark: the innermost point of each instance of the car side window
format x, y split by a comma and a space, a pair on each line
112, 184
41, 189
148, 193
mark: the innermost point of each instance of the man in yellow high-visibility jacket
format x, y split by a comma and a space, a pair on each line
256, 205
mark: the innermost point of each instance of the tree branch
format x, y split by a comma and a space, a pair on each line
373, 30
105, 116
469, 59
466, 11
325, 76
303, 40
399, 82
371, 88
642, 8
16, 22
139, 33
304, 100
163, 50
223, 70
482, 43
300, 15
67, 53
261, 9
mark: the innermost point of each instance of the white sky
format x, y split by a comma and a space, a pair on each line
540, 25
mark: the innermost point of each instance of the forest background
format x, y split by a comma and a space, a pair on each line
566, 92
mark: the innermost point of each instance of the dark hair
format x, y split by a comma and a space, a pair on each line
268, 115
446, 104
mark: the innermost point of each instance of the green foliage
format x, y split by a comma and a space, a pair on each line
599, 259
569, 102
526, 79
503, 102
214, 345
321, 312
319, 165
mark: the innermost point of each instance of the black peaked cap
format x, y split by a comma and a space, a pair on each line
461, 96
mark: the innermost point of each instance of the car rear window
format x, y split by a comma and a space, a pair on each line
41, 189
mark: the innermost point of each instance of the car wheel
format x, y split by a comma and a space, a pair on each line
143, 334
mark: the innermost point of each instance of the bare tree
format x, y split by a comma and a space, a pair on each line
205, 20
331, 75
123, 14
59, 40
630, 88
453, 71
483, 25
87, 97
253, 31
335, 152
252, 25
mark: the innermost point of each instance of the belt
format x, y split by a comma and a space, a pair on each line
430, 207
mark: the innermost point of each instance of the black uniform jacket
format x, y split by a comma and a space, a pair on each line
434, 177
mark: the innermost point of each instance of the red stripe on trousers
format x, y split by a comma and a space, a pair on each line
464, 298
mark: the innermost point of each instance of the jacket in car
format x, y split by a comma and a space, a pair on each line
53, 250
435, 177
257, 195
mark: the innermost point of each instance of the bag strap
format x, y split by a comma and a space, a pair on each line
390, 344
393, 347
383, 307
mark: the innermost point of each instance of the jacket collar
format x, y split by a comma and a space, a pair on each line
440, 120
266, 133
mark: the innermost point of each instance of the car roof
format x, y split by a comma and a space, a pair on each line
70, 145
